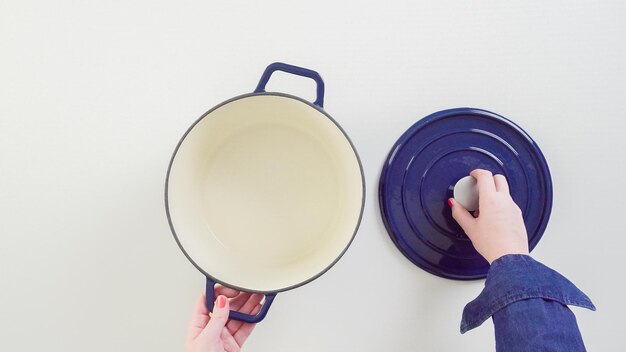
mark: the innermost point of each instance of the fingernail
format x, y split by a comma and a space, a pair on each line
450, 202
221, 301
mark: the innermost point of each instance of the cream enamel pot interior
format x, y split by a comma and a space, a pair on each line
264, 192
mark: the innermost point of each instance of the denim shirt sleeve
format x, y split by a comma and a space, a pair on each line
527, 298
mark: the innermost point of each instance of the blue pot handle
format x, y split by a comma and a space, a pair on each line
210, 302
294, 70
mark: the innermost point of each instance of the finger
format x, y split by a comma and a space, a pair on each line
247, 308
501, 184
225, 291
486, 185
199, 318
246, 329
461, 215
230, 344
219, 317
237, 302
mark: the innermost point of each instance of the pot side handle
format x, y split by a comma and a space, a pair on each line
210, 302
295, 70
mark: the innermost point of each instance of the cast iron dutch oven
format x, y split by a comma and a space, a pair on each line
265, 192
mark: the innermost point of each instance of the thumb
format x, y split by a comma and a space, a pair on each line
461, 215
219, 317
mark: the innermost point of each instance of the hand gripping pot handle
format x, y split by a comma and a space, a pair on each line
248, 318
294, 70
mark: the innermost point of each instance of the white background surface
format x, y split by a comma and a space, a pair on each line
95, 95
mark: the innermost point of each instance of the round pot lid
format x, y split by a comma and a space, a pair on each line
426, 162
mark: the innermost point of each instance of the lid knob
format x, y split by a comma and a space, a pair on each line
466, 193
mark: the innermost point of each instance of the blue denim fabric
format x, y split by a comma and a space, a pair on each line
528, 302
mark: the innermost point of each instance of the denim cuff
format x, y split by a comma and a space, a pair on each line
516, 277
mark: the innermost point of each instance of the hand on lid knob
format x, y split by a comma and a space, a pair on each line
499, 228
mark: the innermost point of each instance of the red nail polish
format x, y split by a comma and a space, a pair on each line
221, 302
450, 202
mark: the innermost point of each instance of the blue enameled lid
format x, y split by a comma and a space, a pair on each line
425, 163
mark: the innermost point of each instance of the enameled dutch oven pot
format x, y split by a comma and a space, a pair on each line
264, 192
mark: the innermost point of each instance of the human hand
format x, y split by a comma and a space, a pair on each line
214, 332
499, 227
